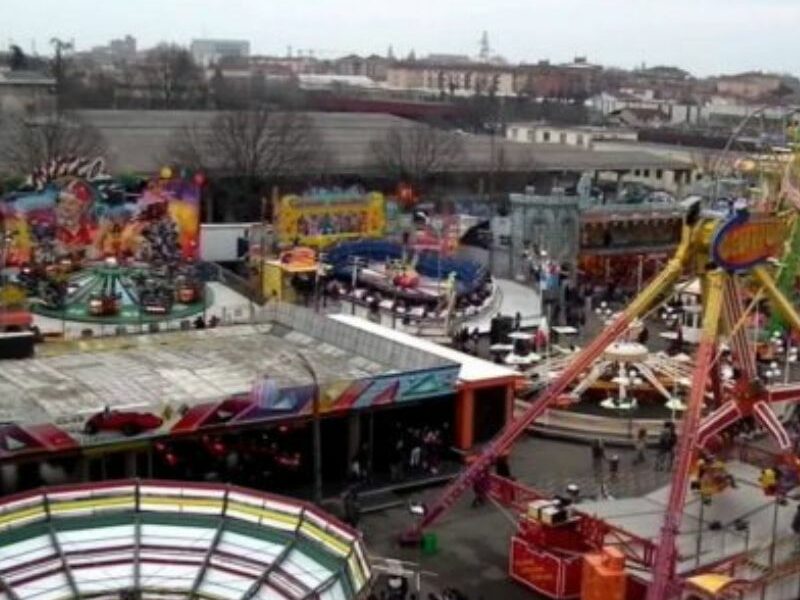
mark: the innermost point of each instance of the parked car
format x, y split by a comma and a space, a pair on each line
125, 422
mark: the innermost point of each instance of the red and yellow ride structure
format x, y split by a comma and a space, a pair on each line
731, 253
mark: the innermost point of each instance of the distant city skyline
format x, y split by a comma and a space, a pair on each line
705, 37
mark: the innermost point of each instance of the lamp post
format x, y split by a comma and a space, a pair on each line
319, 272
355, 263
698, 546
316, 429
773, 541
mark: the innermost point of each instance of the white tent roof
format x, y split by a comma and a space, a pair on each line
473, 370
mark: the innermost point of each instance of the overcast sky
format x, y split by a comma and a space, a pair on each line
703, 36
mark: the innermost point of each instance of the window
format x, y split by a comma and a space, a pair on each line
546, 136
513, 133
659, 173
698, 176
646, 173
530, 135
580, 139
562, 138
637, 172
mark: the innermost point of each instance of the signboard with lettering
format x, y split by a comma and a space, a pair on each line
324, 217
746, 240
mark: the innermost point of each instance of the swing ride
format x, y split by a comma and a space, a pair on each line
732, 252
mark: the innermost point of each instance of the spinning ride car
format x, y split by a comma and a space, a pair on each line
125, 422
156, 301
711, 477
780, 479
407, 278
187, 289
103, 305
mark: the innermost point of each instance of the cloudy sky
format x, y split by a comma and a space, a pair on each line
704, 36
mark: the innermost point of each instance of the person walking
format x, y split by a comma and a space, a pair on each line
613, 468
664, 442
481, 489
598, 457
672, 442
352, 507
640, 447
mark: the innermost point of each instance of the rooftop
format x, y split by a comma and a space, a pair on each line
175, 540
148, 373
32, 78
473, 369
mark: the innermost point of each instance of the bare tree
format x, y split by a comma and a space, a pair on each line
189, 148
415, 153
171, 74
257, 145
31, 142
251, 149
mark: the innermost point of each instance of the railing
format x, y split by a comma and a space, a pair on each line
230, 314
239, 284
629, 248
597, 532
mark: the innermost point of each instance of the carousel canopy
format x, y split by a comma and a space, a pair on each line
173, 540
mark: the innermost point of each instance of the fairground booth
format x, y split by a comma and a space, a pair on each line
348, 243
85, 247
237, 402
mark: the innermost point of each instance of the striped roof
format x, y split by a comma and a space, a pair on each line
170, 540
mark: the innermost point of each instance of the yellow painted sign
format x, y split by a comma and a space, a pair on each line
325, 218
746, 240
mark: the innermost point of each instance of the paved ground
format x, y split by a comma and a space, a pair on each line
515, 298
473, 543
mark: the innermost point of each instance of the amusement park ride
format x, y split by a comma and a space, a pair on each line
730, 251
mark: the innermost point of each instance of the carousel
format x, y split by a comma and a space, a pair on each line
120, 294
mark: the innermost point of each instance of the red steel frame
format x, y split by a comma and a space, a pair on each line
722, 299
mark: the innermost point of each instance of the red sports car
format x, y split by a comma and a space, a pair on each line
125, 422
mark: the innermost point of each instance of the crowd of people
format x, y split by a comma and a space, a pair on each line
402, 593
417, 450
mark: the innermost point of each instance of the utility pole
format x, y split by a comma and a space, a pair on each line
58, 66
316, 428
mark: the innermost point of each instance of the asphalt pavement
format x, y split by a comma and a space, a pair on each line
473, 542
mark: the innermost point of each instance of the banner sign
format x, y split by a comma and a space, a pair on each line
267, 402
746, 240
326, 217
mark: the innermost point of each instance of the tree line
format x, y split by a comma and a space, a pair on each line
243, 153
245, 149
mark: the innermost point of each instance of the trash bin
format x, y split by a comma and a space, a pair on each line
430, 544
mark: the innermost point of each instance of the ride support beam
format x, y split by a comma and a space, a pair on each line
666, 553
780, 302
718, 421
767, 418
737, 335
